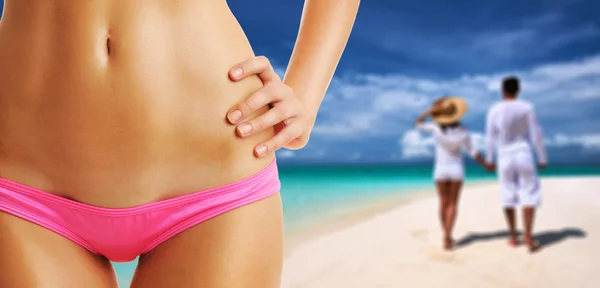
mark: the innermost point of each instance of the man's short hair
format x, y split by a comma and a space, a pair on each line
510, 85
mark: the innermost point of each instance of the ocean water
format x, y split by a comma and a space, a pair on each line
312, 192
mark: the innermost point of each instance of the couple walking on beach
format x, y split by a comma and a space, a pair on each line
511, 131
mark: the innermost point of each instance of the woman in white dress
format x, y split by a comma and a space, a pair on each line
451, 138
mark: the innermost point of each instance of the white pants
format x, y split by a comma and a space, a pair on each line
518, 178
448, 172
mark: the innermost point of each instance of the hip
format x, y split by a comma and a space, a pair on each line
120, 172
448, 171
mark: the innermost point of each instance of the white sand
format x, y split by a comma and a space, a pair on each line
402, 247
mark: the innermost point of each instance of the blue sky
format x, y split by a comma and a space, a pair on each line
403, 54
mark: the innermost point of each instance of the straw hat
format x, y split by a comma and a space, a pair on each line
451, 110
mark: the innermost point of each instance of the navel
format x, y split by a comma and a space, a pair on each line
108, 46
105, 48
108, 43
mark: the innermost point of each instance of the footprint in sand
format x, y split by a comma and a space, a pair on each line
446, 257
420, 234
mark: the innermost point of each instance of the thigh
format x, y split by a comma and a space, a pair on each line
240, 248
509, 182
32, 256
529, 193
442, 189
454, 191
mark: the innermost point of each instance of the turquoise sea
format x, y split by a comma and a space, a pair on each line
313, 192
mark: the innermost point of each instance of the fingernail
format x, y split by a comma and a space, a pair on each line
260, 150
244, 129
235, 116
237, 72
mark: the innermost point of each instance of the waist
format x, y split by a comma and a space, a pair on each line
517, 146
449, 163
116, 108
444, 156
142, 169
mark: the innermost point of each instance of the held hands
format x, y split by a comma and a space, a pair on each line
287, 115
542, 166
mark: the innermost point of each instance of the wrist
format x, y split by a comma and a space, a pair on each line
312, 121
310, 110
430, 112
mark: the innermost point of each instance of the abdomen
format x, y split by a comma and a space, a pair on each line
120, 103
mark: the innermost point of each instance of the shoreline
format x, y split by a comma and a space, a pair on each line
358, 212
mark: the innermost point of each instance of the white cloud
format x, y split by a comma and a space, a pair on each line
371, 106
347, 126
392, 101
569, 70
414, 144
378, 105
512, 43
587, 141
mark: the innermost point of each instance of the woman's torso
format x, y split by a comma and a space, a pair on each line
449, 146
132, 121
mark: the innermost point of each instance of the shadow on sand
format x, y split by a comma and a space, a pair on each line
544, 238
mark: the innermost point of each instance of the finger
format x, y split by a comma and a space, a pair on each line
297, 143
285, 136
264, 96
260, 66
274, 116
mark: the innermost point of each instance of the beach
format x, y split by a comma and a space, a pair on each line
400, 246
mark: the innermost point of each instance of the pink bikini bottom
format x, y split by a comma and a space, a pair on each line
123, 234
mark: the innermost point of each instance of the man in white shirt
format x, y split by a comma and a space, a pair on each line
511, 131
